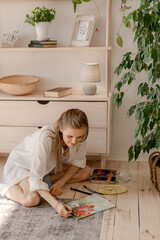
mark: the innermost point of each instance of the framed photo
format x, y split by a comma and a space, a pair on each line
83, 31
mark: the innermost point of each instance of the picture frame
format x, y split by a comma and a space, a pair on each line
83, 30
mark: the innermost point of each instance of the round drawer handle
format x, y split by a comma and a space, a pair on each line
43, 102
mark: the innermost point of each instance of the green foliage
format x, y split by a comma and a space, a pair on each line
146, 28
120, 41
75, 2
127, 24
42, 14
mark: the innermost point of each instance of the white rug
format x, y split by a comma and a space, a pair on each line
42, 222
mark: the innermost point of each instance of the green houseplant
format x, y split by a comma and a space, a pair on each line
41, 18
42, 14
146, 28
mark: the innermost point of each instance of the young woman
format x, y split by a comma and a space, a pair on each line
58, 154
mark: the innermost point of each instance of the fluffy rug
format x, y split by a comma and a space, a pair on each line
42, 222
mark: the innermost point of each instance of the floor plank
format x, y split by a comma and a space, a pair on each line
149, 205
126, 219
107, 230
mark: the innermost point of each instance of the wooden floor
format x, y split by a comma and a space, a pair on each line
137, 212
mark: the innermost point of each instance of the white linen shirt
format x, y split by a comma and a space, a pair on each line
34, 158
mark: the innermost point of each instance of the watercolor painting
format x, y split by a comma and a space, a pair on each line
89, 205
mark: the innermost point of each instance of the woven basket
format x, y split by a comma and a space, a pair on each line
154, 164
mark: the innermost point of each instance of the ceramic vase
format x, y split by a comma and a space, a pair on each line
90, 74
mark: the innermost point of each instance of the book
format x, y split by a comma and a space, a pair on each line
43, 42
42, 45
58, 92
89, 205
103, 176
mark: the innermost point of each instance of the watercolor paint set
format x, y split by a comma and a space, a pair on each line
103, 176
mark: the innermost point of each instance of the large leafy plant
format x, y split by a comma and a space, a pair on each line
42, 14
146, 28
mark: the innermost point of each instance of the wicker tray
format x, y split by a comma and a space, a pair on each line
19, 84
154, 164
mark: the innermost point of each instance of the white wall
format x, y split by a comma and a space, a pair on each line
123, 127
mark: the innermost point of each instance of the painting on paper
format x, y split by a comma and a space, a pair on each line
89, 205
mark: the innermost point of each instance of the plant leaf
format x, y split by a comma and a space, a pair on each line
127, 7
120, 41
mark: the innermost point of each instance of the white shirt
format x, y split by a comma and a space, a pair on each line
34, 158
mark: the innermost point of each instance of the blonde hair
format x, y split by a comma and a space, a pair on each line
74, 118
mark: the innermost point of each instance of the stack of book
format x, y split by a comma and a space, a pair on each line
43, 44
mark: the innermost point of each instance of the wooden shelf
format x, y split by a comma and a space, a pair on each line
54, 49
75, 96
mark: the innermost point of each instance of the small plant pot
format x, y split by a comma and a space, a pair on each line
42, 30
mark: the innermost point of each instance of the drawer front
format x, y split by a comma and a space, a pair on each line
11, 136
32, 113
97, 141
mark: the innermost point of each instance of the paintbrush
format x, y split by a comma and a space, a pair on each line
77, 190
92, 191
62, 203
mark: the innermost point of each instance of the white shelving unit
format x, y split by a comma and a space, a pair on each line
56, 67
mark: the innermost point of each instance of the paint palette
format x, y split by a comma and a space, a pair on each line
103, 176
112, 189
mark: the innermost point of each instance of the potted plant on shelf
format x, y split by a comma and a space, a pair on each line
41, 18
146, 28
